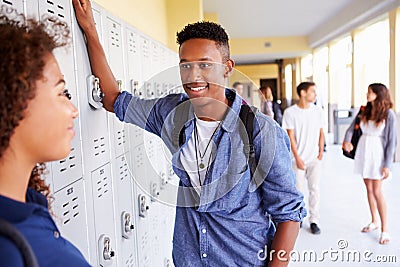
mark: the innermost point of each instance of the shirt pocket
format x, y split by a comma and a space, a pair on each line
231, 191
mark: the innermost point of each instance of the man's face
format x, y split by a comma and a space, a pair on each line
203, 70
310, 95
239, 89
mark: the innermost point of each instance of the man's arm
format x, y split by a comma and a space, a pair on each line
321, 144
283, 243
293, 147
97, 57
281, 199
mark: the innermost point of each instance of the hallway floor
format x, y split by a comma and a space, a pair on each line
344, 211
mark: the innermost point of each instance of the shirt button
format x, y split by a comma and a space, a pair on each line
204, 231
56, 234
204, 255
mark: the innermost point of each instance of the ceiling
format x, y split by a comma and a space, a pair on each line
318, 20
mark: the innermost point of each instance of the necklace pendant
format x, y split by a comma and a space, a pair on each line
201, 165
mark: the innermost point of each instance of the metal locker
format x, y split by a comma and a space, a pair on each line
155, 59
70, 210
17, 5
133, 76
138, 163
93, 120
144, 244
103, 204
145, 58
125, 210
132, 64
113, 39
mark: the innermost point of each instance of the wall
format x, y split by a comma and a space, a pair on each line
149, 17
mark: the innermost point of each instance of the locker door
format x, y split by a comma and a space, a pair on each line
69, 205
144, 248
94, 121
125, 220
18, 5
113, 46
134, 74
104, 216
145, 57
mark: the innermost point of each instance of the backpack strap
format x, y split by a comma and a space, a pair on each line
180, 118
10, 232
247, 116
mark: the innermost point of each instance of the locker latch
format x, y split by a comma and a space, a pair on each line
119, 83
154, 191
143, 208
106, 254
127, 226
164, 180
149, 91
95, 95
135, 88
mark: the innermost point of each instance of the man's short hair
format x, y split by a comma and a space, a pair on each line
206, 30
235, 84
304, 86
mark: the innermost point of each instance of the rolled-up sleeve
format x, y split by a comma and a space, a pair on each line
148, 114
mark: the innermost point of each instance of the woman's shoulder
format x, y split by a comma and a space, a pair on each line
391, 118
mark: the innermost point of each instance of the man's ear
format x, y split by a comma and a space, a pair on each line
229, 65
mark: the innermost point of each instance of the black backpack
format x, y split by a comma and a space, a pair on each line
246, 115
10, 232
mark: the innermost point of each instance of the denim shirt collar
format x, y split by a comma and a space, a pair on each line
232, 113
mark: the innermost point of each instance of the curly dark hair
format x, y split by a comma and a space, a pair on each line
25, 44
382, 104
206, 30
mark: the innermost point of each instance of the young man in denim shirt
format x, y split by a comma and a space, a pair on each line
225, 216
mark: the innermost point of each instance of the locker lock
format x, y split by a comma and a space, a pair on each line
154, 191
106, 254
167, 262
149, 92
95, 95
164, 180
158, 89
127, 226
135, 88
119, 83
143, 207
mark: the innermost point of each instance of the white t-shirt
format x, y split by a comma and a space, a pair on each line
205, 130
306, 124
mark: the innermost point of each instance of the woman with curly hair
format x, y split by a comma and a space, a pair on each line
375, 152
36, 126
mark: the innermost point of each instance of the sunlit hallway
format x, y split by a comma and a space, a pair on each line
344, 211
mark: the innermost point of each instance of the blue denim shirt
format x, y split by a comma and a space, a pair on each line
34, 222
231, 221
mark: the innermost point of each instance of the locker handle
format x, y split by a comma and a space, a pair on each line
95, 95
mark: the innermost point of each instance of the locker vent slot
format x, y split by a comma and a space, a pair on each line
70, 208
103, 186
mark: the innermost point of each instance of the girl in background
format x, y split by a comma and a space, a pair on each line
375, 152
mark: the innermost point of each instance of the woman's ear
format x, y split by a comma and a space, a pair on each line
229, 65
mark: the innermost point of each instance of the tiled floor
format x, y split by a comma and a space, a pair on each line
344, 211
